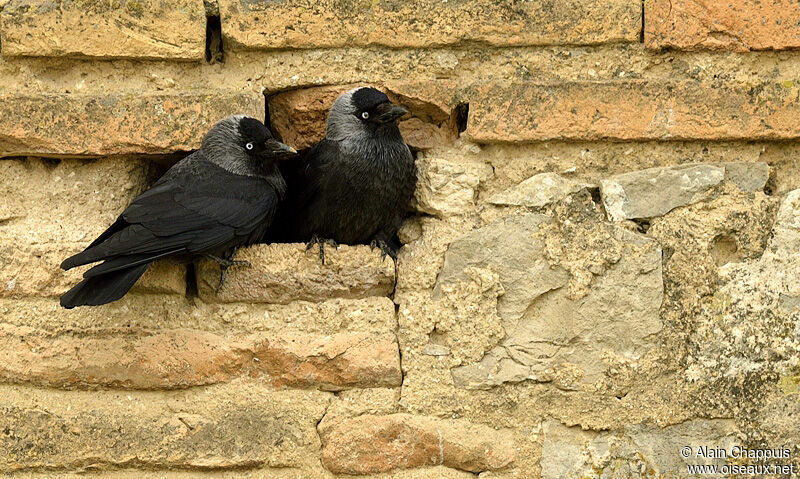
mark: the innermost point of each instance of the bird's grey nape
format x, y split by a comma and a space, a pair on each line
343, 124
222, 146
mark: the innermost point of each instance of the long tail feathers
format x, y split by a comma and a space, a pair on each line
104, 288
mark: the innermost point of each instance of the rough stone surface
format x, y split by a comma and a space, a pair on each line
737, 26
369, 444
751, 321
426, 23
183, 358
656, 191
280, 273
630, 110
64, 125
128, 29
446, 184
236, 425
510, 249
537, 191
640, 450
557, 332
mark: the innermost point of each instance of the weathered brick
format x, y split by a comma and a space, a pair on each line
33, 270
39, 226
128, 29
55, 124
632, 110
426, 23
711, 24
172, 359
281, 273
242, 424
371, 444
299, 116
375, 315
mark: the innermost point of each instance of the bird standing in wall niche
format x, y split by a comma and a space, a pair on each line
215, 200
355, 186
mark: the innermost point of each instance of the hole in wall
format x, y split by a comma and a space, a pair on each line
267, 120
191, 281
214, 49
50, 163
725, 249
641, 33
642, 225
462, 116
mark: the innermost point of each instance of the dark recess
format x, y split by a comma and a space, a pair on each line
214, 49
267, 121
641, 33
191, 281
462, 115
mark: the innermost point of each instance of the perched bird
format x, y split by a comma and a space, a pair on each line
354, 187
215, 200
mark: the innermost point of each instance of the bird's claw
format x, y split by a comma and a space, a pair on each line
224, 264
386, 250
316, 240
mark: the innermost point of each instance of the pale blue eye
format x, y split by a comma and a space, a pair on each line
249, 146
365, 115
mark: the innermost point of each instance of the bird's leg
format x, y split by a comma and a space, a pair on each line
225, 263
386, 249
321, 242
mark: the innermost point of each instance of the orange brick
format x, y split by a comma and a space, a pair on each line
117, 123
372, 444
141, 29
631, 110
173, 359
284, 24
739, 25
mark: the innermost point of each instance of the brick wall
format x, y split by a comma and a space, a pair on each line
601, 267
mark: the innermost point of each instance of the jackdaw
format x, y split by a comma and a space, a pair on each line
215, 200
355, 186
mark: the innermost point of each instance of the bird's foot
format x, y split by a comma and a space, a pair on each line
316, 240
224, 264
386, 249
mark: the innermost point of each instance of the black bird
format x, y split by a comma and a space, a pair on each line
215, 200
355, 186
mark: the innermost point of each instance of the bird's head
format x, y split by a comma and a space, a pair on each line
258, 141
242, 137
363, 109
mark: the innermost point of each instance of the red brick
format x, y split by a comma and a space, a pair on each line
372, 444
631, 110
173, 359
140, 29
739, 25
288, 24
119, 123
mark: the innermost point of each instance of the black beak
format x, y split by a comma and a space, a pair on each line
276, 148
389, 112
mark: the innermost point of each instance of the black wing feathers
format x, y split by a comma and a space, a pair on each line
185, 214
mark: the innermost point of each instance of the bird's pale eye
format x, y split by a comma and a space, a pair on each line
365, 115
249, 146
